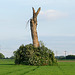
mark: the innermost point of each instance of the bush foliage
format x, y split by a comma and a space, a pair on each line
29, 55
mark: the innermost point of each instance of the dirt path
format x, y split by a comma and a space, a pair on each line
66, 60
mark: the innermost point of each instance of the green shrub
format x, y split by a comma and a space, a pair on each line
29, 55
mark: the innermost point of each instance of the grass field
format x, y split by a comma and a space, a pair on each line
7, 67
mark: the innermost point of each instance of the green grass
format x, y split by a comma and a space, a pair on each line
7, 67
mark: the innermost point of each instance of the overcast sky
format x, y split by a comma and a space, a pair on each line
56, 24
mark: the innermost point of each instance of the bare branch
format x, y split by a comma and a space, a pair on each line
38, 11
33, 10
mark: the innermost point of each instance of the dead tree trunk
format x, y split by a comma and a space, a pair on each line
33, 25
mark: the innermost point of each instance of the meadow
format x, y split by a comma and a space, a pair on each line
7, 67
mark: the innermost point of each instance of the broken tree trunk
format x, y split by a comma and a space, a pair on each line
33, 25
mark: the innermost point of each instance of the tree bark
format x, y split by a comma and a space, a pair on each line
33, 26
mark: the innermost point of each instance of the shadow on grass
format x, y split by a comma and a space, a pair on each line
30, 70
14, 71
7, 64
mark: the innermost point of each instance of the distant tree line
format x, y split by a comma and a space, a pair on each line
1, 56
67, 57
70, 57
60, 57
